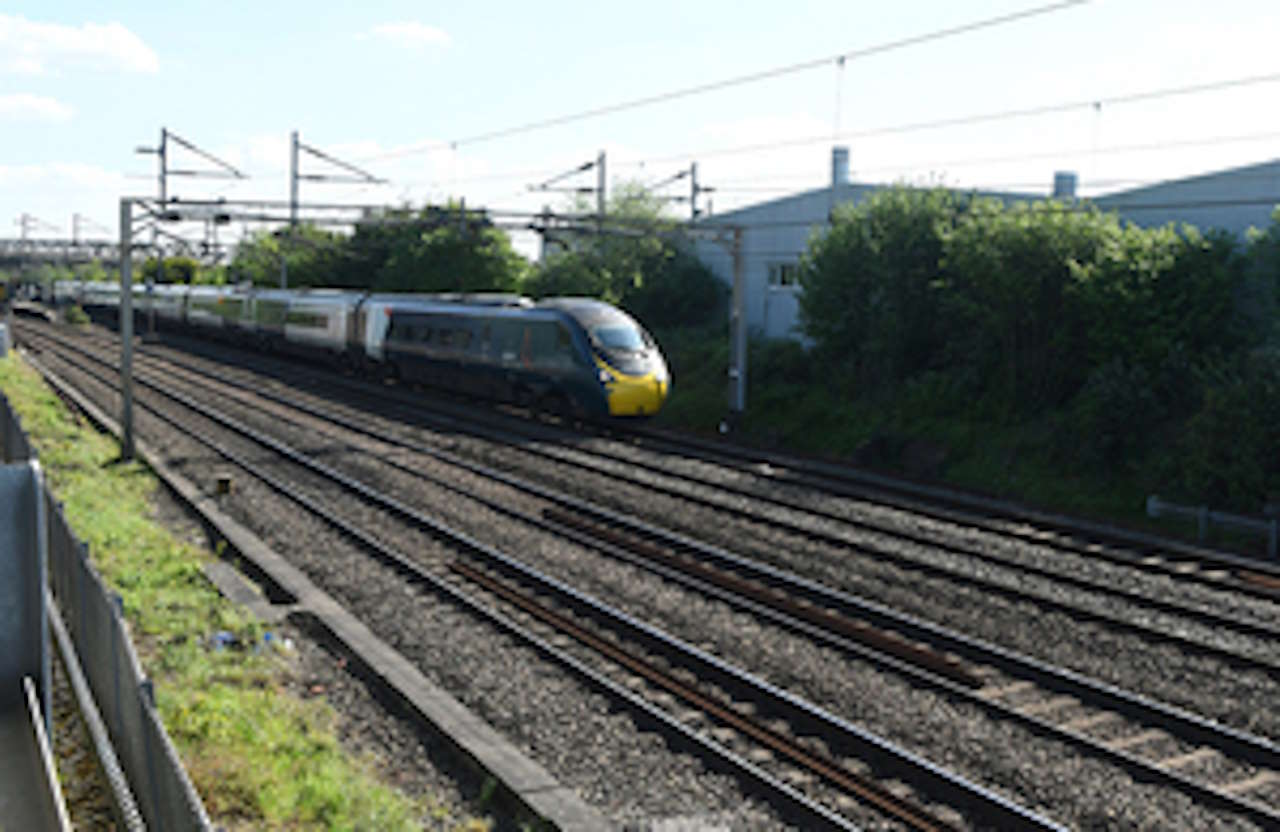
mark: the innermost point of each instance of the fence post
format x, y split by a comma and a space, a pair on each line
146, 706
83, 551
114, 625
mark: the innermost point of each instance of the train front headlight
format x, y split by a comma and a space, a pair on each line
605, 376
660, 372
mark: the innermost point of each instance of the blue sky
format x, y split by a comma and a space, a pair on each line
82, 84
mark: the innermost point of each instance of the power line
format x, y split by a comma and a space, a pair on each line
727, 83
963, 121
956, 121
1212, 141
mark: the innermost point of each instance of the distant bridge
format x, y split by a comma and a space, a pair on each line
22, 253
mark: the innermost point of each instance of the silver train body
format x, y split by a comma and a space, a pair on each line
567, 354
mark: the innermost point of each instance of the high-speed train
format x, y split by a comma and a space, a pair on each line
575, 356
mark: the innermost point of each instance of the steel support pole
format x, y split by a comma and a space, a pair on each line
293, 208
126, 328
738, 331
164, 167
693, 192
601, 197
293, 179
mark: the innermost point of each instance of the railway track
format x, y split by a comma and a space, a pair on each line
1125, 547
846, 534
1052, 702
750, 711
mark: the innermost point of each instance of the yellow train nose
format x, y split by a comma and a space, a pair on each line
636, 395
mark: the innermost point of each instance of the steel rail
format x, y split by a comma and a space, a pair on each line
1074, 610
1256, 578
976, 650
1166, 606
1260, 752
868, 790
1254, 749
1251, 576
815, 815
1139, 550
974, 799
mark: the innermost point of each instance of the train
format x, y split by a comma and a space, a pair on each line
571, 356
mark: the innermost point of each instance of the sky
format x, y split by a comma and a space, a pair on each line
408, 90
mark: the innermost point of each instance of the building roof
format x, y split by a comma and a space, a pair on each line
1233, 199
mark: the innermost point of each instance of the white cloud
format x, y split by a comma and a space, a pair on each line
410, 34
30, 47
24, 106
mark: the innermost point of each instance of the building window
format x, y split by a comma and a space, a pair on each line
784, 274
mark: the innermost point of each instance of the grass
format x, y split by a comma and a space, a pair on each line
259, 756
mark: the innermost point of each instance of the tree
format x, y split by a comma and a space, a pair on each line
640, 263
873, 282
176, 270
475, 257
315, 257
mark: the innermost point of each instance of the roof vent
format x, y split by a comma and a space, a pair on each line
839, 166
1064, 185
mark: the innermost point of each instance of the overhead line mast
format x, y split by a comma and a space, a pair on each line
357, 176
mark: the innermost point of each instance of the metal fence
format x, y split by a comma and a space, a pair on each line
1205, 519
14, 446
123, 694
29, 794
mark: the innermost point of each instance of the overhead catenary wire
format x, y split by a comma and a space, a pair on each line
936, 124
736, 81
965, 120
1060, 153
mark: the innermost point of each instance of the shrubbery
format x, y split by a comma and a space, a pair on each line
1143, 345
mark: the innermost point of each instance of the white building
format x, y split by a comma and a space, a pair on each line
776, 233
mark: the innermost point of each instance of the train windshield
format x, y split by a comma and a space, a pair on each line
612, 331
619, 338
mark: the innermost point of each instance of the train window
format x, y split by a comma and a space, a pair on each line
508, 340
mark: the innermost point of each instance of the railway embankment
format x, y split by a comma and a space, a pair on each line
273, 727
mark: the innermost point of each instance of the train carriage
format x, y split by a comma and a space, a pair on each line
207, 308
169, 302
569, 355
319, 321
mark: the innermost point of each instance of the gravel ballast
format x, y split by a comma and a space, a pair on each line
955, 735
579, 736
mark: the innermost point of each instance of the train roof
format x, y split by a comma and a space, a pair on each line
455, 298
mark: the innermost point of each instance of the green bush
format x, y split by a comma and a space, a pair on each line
871, 301
1111, 417
176, 270
1227, 456
75, 315
675, 289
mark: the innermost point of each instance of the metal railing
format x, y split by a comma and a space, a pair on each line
1206, 519
29, 794
162, 793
